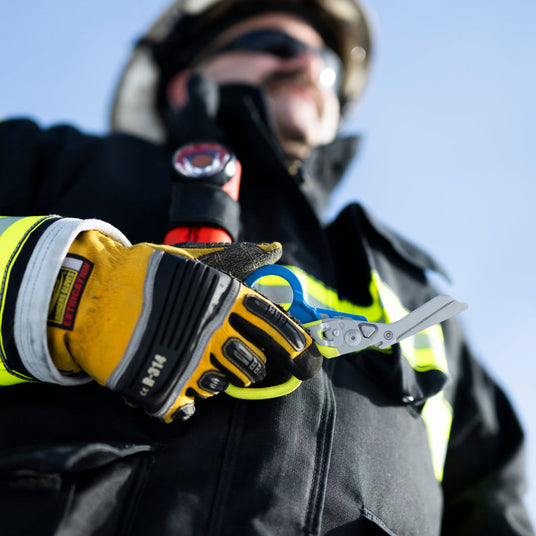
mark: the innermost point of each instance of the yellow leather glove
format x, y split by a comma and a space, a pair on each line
162, 327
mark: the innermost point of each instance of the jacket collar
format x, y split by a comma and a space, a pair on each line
325, 167
396, 243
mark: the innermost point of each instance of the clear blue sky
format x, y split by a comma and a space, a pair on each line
448, 122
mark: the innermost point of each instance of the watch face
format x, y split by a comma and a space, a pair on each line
201, 160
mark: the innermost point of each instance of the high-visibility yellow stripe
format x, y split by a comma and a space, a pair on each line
7, 378
437, 416
11, 241
425, 351
330, 299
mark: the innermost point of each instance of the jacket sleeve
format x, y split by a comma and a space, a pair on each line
484, 478
60, 170
40, 166
32, 250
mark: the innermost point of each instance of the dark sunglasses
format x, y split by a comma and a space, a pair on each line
282, 45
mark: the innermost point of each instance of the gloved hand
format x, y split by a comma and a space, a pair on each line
163, 328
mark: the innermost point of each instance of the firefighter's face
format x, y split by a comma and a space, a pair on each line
300, 90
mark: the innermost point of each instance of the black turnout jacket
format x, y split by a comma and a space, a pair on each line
413, 440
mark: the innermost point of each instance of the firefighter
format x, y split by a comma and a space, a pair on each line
116, 348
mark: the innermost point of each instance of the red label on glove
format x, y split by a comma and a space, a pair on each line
68, 290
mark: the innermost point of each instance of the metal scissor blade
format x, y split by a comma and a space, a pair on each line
347, 335
432, 312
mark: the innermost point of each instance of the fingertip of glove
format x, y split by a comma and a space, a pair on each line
260, 254
239, 259
308, 363
270, 247
183, 413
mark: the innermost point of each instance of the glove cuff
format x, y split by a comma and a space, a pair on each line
101, 296
36, 289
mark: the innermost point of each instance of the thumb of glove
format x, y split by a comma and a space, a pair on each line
238, 259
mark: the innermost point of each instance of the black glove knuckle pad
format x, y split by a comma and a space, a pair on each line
186, 297
213, 382
244, 359
304, 366
277, 319
229, 374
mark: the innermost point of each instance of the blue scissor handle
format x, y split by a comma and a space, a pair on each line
299, 308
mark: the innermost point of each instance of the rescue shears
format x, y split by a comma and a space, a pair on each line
337, 333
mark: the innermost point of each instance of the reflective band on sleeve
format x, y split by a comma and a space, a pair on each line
13, 234
9, 378
26, 325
